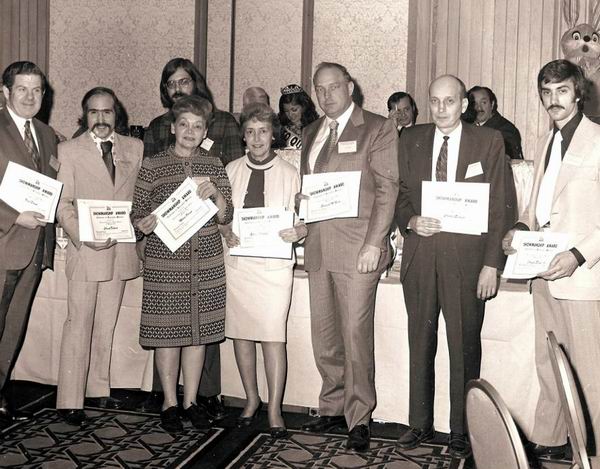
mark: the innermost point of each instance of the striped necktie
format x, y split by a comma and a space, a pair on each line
328, 146
31, 146
441, 166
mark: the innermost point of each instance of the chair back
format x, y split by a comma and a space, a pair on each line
492, 431
571, 404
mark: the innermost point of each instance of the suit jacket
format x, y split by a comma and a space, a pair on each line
477, 144
510, 134
84, 175
335, 244
575, 206
17, 244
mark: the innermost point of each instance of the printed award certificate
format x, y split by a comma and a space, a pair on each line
258, 230
103, 219
461, 207
535, 251
182, 215
27, 190
330, 195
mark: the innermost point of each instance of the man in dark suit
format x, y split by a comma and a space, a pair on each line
26, 242
344, 257
485, 106
456, 272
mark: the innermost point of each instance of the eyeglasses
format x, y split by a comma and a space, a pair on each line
183, 82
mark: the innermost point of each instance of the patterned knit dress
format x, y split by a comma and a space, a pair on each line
183, 301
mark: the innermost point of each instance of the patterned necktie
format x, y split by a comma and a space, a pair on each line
543, 207
441, 166
108, 158
31, 146
328, 146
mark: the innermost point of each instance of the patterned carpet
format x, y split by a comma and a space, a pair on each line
302, 450
112, 439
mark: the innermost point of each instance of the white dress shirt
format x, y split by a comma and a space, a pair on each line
20, 123
453, 148
323, 134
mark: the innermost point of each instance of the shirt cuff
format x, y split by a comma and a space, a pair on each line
578, 256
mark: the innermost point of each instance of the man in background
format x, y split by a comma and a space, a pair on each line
402, 109
255, 94
26, 241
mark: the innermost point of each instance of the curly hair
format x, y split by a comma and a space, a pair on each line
301, 98
262, 113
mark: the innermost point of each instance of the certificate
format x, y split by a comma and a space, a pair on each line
330, 195
535, 251
100, 220
27, 190
182, 215
461, 207
258, 230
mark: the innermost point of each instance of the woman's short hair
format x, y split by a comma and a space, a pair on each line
194, 104
293, 94
262, 113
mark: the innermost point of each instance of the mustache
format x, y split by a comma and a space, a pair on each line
555, 106
177, 95
100, 124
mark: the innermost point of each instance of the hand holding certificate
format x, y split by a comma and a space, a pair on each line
534, 252
461, 207
330, 195
100, 220
258, 232
27, 190
182, 215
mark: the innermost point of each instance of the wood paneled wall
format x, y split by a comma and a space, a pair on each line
501, 44
24, 32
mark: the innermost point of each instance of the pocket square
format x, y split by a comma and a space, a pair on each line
474, 169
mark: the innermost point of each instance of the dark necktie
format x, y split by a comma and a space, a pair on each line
108, 159
328, 146
31, 146
441, 167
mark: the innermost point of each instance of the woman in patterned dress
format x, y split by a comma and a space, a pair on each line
183, 305
259, 289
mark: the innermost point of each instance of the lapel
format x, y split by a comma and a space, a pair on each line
580, 148
15, 147
124, 167
94, 165
351, 133
307, 140
465, 151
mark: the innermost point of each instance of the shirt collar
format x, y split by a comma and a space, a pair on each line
97, 140
455, 133
343, 119
568, 129
18, 120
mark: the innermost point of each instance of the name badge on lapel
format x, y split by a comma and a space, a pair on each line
347, 147
474, 169
54, 163
207, 144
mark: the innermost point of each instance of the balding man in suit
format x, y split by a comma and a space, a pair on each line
26, 242
100, 165
344, 258
456, 272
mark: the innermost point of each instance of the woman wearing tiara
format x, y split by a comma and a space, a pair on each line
296, 110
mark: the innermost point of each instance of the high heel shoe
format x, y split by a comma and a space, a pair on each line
242, 422
278, 432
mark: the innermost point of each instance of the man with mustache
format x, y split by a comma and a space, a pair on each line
102, 165
566, 297
485, 105
26, 241
180, 77
402, 109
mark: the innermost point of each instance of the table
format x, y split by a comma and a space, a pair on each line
507, 340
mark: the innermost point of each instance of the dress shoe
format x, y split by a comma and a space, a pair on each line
104, 402
459, 445
278, 432
359, 438
552, 452
197, 416
10, 415
212, 406
325, 423
414, 437
170, 421
243, 422
75, 417
151, 404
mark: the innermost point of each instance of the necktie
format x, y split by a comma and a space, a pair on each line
546, 192
31, 146
328, 146
441, 166
108, 158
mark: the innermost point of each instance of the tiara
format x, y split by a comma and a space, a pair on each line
291, 89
